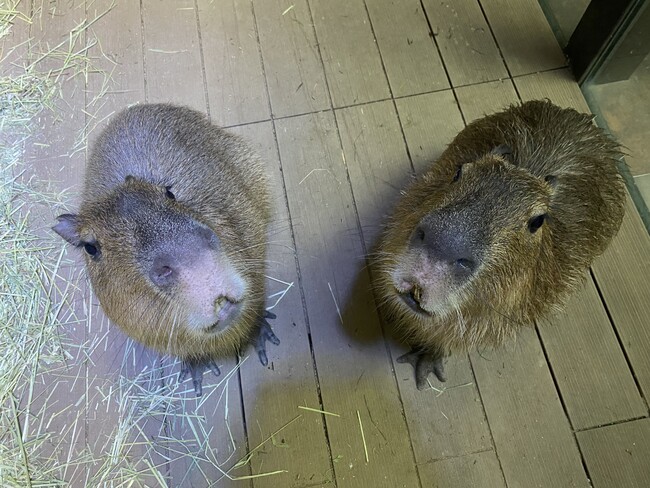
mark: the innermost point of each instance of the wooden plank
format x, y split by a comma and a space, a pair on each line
120, 81
622, 276
444, 425
410, 57
478, 469
173, 62
425, 116
447, 421
272, 395
531, 433
233, 70
206, 436
622, 272
353, 365
617, 455
466, 43
352, 63
377, 161
292, 65
594, 379
559, 86
526, 40
484, 99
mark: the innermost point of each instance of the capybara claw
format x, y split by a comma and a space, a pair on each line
424, 364
265, 334
196, 368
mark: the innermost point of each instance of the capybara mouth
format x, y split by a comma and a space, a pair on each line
224, 308
412, 299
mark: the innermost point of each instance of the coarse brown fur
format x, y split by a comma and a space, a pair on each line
217, 183
557, 164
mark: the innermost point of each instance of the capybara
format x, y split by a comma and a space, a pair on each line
498, 232
173, 222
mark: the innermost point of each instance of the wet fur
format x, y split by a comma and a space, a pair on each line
521, 279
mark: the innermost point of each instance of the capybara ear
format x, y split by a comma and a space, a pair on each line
504, 151
67, 228
551, 180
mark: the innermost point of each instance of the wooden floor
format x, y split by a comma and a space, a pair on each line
345, 99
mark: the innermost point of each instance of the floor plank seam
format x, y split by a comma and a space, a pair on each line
382, 323
293, 237
381, 57
401, 129
306, 314
144, 53
393, 98
202, 57
320, 54
442, 60
456, 456
367, 267
293, 240
554, 378
487, 421
610, 424
243, 417
435, 43
619, 339
582, 459
464, 119
564, 409
496, 41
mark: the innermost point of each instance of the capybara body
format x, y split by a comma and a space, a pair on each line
500, 230
173, 221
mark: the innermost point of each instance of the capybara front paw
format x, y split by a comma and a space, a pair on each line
424, 364
265, 334
196, 368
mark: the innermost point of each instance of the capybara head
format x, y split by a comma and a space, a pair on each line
501, 229
161, 272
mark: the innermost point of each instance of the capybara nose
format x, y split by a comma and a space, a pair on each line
163, 271
446, 245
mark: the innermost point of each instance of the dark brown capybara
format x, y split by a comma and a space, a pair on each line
499, 232
173, 223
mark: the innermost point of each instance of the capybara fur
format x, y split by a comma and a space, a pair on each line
498, 232
173, 222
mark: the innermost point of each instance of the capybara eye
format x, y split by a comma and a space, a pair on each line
535, 223
169, 194
91, 249
458, 173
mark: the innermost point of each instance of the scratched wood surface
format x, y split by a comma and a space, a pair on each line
346, 101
